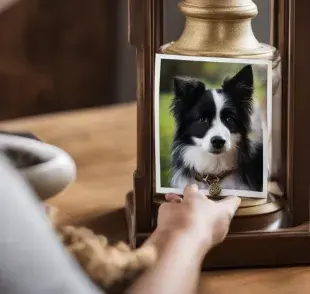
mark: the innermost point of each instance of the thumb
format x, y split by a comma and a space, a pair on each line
231, 204
190, 192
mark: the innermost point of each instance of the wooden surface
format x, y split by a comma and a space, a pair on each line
54, 55
103, 144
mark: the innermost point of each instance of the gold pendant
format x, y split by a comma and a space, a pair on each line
214, 189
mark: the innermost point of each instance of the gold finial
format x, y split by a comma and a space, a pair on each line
219, 28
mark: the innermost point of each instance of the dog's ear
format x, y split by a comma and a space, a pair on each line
186, 93
241, 85
186, 88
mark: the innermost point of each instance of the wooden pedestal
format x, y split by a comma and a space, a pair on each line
245, 249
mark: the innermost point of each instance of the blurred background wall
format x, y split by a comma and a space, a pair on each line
57, 55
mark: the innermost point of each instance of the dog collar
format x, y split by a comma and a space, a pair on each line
213, 181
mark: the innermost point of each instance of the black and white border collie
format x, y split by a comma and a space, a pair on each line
218, 131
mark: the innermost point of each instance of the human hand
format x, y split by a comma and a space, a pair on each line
204, 221
187, 228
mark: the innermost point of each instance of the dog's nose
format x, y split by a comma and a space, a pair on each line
218, 142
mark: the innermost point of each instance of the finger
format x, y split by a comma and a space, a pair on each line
231, 203
171, 197
191, 193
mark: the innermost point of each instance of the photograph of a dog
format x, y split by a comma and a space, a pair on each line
211, 125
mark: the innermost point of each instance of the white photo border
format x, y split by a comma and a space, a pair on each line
266, 132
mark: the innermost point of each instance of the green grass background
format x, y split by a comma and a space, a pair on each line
212, 74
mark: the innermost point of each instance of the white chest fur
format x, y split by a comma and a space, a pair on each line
206, 163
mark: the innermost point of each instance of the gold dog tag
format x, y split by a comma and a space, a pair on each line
215, 189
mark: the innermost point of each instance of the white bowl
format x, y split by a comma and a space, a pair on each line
52, 175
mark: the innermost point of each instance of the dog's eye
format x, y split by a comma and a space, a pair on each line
203, 120
229, 119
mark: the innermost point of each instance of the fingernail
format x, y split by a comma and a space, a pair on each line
194, 187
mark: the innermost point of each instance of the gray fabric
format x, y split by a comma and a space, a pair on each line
32, 260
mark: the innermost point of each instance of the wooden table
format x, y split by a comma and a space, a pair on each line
103, 145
